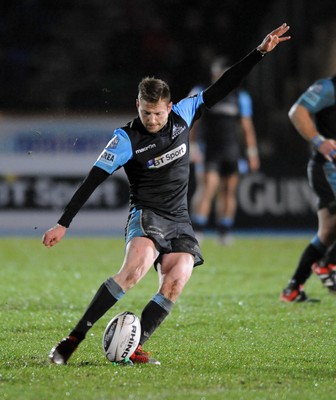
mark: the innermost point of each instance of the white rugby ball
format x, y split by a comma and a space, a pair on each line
121, 336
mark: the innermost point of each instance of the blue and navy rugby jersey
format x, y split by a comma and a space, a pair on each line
320, 100
156, 164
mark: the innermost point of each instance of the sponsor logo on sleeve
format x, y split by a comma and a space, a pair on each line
312, 96
112, 144
107, 157
168, 157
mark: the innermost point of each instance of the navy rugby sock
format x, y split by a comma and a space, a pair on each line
153, 315
199, 222
313, 252
107, 295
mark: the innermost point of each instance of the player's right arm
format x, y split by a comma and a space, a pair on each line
53, 235
95, 177
116, 153
319, 96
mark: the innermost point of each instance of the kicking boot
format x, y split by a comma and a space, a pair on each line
143, 357
327, 275
63, 350
293, 293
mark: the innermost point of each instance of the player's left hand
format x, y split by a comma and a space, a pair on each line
328, 149
274, 38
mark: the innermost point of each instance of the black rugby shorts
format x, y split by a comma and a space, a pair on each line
168, 236
320, 184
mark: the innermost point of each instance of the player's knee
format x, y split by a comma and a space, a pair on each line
327, 234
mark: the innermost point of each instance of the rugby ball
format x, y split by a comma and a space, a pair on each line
121, 336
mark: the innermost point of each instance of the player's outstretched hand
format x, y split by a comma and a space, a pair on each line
274, 38
53, 235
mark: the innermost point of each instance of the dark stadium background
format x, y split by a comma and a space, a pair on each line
84, 57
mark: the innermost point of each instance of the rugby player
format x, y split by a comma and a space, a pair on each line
314, 117
153, 149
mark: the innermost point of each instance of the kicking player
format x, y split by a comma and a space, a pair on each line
153, 149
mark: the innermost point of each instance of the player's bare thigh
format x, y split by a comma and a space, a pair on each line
139, 257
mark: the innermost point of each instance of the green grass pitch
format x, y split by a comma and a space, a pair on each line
228, 336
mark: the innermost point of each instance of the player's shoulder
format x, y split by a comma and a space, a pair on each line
196, 89
190, 101
322, 85
119, 137
131, 131
323, 88
319, 95
189, 107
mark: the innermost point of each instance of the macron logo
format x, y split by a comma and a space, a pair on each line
150, 146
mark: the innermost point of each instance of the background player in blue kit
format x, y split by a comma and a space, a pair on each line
153, 149
226, 136
314, 117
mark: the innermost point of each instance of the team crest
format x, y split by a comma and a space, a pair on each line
177, 130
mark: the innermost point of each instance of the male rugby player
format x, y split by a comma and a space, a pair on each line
314, 117
153, 149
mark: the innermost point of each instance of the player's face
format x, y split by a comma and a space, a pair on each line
153, 116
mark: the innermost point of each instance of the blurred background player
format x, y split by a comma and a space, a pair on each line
314, 117
226, 138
